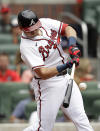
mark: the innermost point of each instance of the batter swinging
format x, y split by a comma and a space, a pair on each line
41, 50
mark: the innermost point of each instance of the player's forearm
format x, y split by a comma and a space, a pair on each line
70, 32
46, 73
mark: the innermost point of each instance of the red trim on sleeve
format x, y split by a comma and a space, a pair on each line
63, 29
58, 39
37, 67
60, 28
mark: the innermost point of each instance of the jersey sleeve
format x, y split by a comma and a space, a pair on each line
31, 57
63, 26
55, 25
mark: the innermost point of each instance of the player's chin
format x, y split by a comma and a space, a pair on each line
30, 34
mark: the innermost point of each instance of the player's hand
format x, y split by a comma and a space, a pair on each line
76, 60
74, 52
72, 61
69, 64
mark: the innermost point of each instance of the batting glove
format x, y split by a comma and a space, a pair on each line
76, 60
74, 52
69, 64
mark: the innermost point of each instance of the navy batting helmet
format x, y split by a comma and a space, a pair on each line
28, 21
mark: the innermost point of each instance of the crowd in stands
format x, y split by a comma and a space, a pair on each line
84, 71
18, 114
8, 75
9, 26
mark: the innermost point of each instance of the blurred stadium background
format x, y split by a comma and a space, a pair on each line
84, 16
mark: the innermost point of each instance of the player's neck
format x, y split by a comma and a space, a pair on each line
34, 34
40, 33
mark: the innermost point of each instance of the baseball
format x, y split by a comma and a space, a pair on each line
83, 86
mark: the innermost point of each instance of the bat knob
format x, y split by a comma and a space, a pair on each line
65, 105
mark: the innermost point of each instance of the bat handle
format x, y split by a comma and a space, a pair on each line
72, 72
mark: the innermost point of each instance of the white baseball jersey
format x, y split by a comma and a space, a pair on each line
44, 50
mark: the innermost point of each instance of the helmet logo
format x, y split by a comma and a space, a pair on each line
32, 22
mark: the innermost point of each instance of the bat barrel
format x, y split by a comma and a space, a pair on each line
67, 97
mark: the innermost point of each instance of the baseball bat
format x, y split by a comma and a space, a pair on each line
67, 97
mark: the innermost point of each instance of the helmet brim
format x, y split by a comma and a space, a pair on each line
33, 27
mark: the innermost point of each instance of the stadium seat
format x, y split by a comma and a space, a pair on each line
92, 85
5, 38
12, 58
98, 18
89, 97
89, 16
91, 94
7, 90
18, 96
30, 108
23, 67
9, 48
89, 11
96, 106
12, 67
90, 3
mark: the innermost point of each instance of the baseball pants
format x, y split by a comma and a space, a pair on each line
49, 96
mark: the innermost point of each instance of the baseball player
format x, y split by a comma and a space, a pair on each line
41, 50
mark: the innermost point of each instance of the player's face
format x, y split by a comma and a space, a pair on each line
32, 33
3, 62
